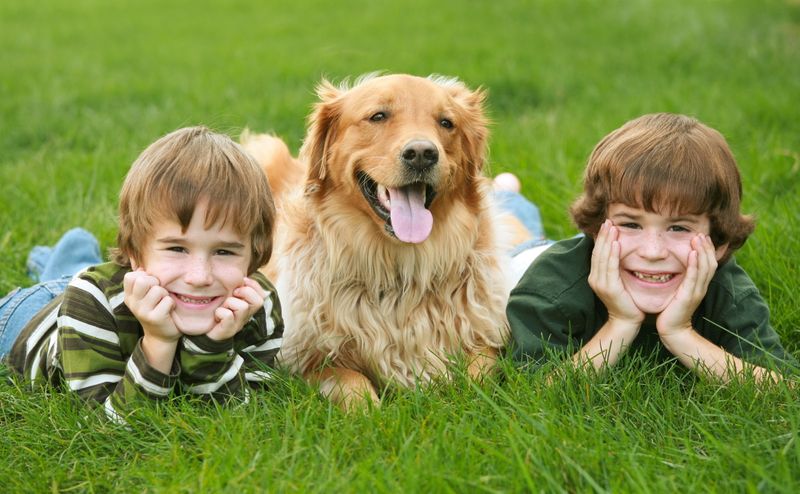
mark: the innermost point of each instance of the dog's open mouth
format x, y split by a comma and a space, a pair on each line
404, 209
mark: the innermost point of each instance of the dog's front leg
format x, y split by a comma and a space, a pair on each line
346, 388
481, 363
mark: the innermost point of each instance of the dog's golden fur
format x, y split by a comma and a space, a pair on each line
362, 308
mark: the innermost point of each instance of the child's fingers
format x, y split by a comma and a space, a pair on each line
613, 262
689, 285
700, 269
154, 296
603, 240
600, 254
235, 303
130, 281
231, 317
608, 263
238, 306
255, 286
163, 307
142, 284
706, 261
226, 318
711, 254
142, 292
254, 297
678, 314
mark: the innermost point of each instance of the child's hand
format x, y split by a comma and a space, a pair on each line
604, 278
702, 264
237, 310
151, 305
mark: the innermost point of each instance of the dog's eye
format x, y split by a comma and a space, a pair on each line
378, 117
446, 123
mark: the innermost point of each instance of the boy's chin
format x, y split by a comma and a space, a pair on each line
652, 307
193, 326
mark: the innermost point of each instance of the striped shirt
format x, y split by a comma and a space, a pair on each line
87, 340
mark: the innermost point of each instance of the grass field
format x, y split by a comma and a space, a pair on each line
85, 85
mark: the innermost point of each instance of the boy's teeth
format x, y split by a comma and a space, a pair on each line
656, 278
189, 300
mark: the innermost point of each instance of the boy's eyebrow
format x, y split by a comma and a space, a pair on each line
231, 245
181, 241
686, 218
626, 214
171, 240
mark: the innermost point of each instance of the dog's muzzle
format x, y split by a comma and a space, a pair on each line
404, 209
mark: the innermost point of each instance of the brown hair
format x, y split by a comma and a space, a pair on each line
179, 170
666, 164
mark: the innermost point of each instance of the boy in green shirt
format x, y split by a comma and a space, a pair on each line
661, 218
182, 307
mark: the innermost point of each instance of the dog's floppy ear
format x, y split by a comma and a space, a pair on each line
474, 124
321, 132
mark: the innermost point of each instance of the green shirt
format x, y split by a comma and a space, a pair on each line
553, 309
87, 340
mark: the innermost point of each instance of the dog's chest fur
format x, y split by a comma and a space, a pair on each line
396, 312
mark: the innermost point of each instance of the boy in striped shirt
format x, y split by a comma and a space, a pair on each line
181, 308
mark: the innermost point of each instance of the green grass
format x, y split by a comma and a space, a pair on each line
85, 85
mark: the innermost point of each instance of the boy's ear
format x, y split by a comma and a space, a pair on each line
720, 251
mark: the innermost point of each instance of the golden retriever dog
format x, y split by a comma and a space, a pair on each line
387, 259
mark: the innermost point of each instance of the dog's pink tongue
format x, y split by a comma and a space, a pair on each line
410, 220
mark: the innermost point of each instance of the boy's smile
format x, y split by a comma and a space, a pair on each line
654, 252
199, 268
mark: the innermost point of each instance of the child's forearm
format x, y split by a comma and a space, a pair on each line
710, 360
159, 353
607, 345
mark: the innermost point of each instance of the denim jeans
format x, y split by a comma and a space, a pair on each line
19, 307
525, 211
525, 253
54, 267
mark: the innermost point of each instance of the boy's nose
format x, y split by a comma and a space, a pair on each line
653, 246
199, 271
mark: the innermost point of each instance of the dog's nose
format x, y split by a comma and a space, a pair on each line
420, 154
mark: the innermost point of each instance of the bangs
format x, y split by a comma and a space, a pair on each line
663, 193
671, 183
211, 176
179, 205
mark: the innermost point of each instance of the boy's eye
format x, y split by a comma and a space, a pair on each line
176, 248
678, 228
225, 252
632, 226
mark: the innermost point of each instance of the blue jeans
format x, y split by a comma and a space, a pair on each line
528, 214
525, 211
53, 267
19, 307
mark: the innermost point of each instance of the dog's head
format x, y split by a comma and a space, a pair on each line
397, 147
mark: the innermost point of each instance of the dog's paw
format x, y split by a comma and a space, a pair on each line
348, 389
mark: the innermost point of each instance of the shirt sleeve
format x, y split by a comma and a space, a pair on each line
93, 362
745, 331
542, 327
224, 369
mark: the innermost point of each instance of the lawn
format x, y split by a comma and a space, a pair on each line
85, 85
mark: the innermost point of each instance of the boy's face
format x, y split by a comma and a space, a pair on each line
654, 252
199, 268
